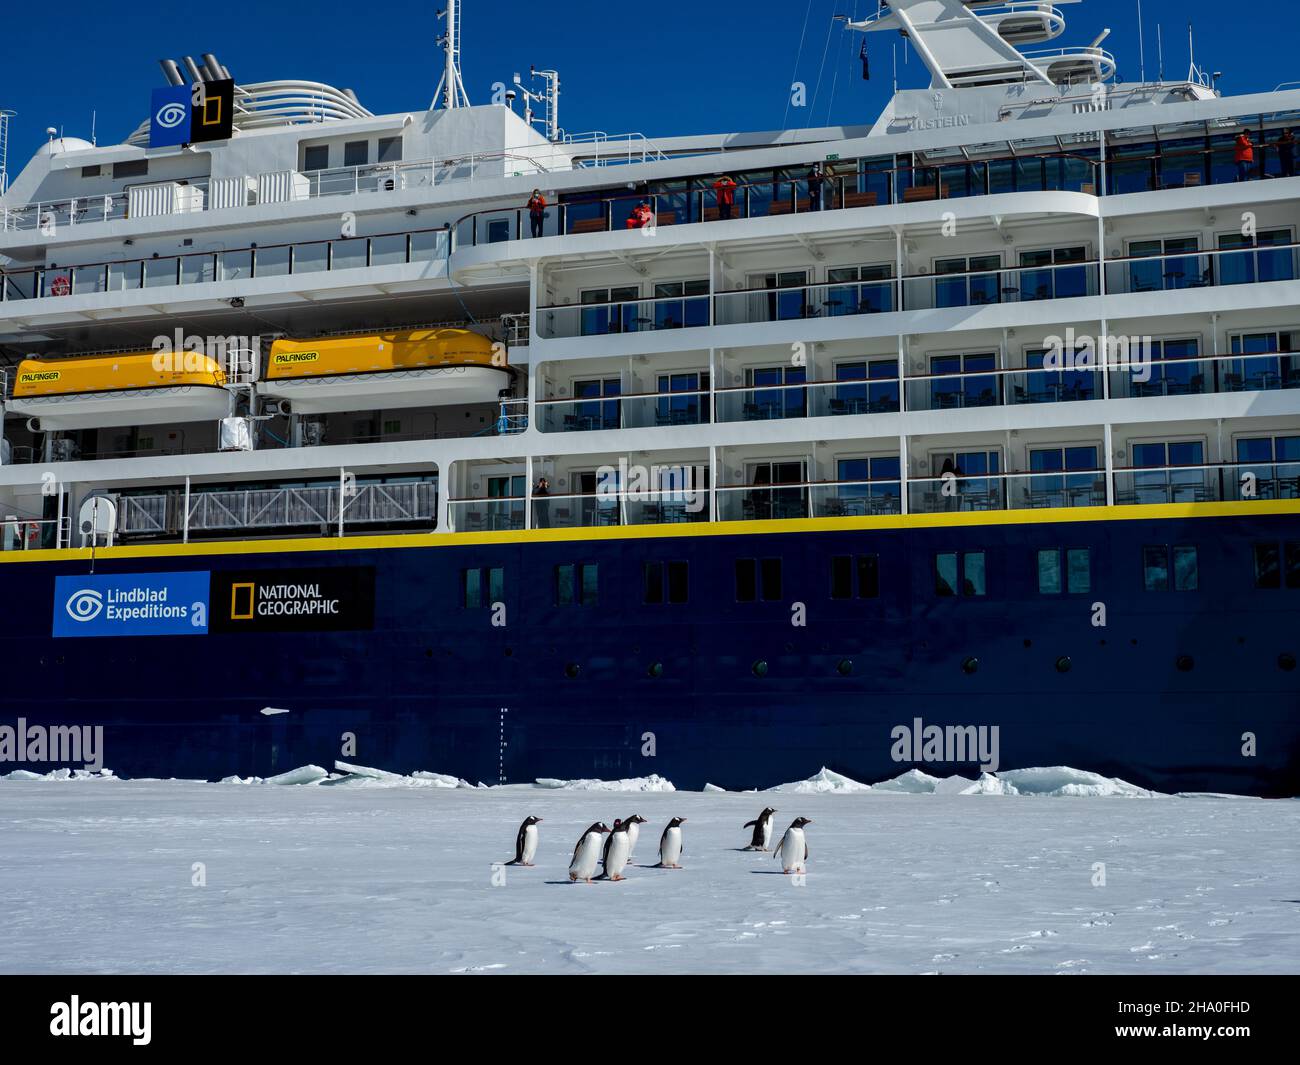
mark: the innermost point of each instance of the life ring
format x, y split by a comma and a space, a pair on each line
60, 286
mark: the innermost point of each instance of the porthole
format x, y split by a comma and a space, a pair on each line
759, 668
1286, 661
1185, 663
1029, 643
970, 665
845, 667
656, 670
572, 670
1063, 664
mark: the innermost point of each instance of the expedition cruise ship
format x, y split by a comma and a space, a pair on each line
450, 441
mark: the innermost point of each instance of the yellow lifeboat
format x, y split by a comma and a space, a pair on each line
414, 368
136, 388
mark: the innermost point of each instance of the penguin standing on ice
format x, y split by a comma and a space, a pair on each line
604, 854
762, 825
793, 849
634, 824
526, 842
617, 847
586, 853
670, 845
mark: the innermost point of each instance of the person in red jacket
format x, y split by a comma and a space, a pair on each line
640, 217
537, 211
725, 191
1244, 154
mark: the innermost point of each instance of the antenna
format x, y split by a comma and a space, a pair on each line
1160, 55
549, 97
450, 87
1142, 48
5, 116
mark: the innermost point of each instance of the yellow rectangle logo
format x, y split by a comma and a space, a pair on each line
241, 602
38, 378
294, 358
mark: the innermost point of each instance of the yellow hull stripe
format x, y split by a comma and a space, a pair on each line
960, 519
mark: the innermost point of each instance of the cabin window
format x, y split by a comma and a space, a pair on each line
758, 579
316, 157
576, 584
131, 168
91, 171
1268, 566
844, 570
1163, 567
1071, 573
389, 150
678, 582
356, 153
482, 586
965, 571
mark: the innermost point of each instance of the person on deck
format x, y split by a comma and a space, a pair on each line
1286, 153
541, 504
641, 216
725, 191
815, 179
1244, 154
537, 211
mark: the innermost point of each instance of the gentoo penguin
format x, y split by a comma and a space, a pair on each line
604, 854
617, 848
793, 849
634, 824
670, 845
526, 842
586, 852
762, 838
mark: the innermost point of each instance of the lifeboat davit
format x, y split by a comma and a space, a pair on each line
103, 391
416, 368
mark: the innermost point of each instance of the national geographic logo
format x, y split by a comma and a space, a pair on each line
294, 358
308, 600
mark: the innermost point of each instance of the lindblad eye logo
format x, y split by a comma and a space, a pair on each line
85, 605
171, 115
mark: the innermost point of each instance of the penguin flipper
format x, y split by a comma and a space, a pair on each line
805, 852
750, 824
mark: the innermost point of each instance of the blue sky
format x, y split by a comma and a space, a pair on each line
693, 68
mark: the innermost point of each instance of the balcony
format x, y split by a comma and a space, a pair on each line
275, 260
928, 291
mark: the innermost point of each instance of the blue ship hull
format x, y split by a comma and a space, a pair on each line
1167, 694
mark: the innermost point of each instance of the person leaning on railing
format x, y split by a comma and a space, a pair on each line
1286, 153
1244, 155
537, 211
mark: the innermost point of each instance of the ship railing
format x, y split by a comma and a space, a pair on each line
847, 187
598, 149
627, 411
516, 329
957, 491
242, 510
985, 287
1193, 375
606, 149
1269, 260
1207, 482
809, 499
237, 264
1252, 261
19, 533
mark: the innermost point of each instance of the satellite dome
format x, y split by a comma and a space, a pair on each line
64, 144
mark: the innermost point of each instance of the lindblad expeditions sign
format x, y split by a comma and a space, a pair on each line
325, 599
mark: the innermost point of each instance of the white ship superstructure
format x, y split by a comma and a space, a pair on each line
1025, 287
